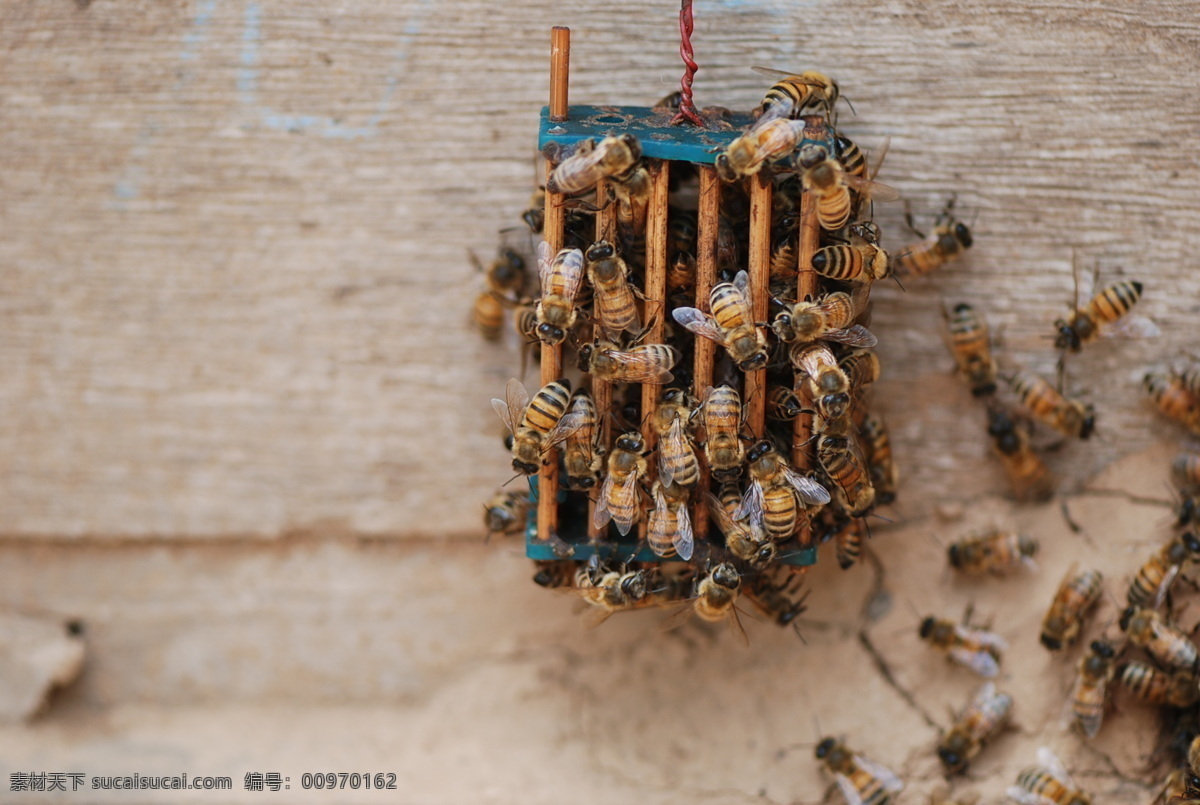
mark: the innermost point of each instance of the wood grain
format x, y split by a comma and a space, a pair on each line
234, 284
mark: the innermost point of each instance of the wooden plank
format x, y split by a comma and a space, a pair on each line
754, 398
707, 229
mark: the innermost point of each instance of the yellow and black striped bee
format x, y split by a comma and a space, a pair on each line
744, 539
1166, 644
721, 414
1028, 475
857, 261
796, 93
505, 280
731, 324
948, 240
971, 344
583, 455
715, 600
1174, 400
616, 307
592, 162
1154, 578
1047, 784
996, 552
765, 142
846, 467
848, 534
1174, 689
1067, 416
862, 367
677, 463
631, 191
829, 318
821, 378
986, 714
782, 404
610, 591
536, 425
974, 648
1077, 593
1185, 472
777, 494
619, 494
669, 529
1089, 694
1083, 325
860, 780
877, 445
504, 512
830, 184
646, 363
561, 277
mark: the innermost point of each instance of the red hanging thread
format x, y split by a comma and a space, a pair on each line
687, 109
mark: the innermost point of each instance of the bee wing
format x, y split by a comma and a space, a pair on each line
639, 366
571, 262
1026, 797
751, 507
990, 639
565, 428
545, 260
772, 73
742, 283
811, 492
684, 540
602, 515
980, 662
1164, 587
512, 407
848, 789
1050, 762
876, 190
699, 323
1134, 327
674, 444
678, 617
853, 336
627, 499
883, 774
596, 615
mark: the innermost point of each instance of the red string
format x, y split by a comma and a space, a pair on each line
687, 109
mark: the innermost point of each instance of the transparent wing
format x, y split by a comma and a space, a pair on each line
1026, 797
1160, 595
742, 283
751, 507
1133, 327
640, 365
602, 515
989, 639
627, 502
1052, 764
512, 408
779, 74
568, 426
980, 662
569, 262
876, 190
700, 324
545, 260
848, 789
811, 492
678, 617
673, 445
684, 538
854, 336
883, 774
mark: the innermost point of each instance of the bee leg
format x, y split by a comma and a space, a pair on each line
908, 219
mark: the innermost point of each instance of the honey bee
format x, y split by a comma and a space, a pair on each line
1173, 400
849, 533
1083, 325
1028, 475
536, 425
948, 240
986, 715
535, 214
782, 404
715, 600
971, 344
487, 313
610, 591
830, 184
778, 601
731, 325
1154, 578
618, 499
857, 261
974, 648
844, 464
764, 142
721, 413
862, 367
681, 271
505, 280
592, 162
1188, 379
631, 191
504, 512
1151, 685
1164, 643
794, 94
1185, 472
561, 276
830, 318
744, 539
1077, 593
861, 781
1067, 416
880, 464
554, 574
823, 380
777, 493
583, 455
995, 552
1047, 784
677, 463
1088, 695
647, 363
669, 531
615, 305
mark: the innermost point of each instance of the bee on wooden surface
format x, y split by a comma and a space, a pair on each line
554, 574
830, 185
1083, 325
823, 379
592, 162
1174, 400
715, 600
1028, 475
609, 276
561, 277
618, 499
974, 648
534, 215
880, 464
1177, 689
1067, 416
780, 602
995, 552
677, 463
796, 93
843, 462
504, 512
610, 591
487, 313
853, 160
1077, 594
971, 344
777, 493
862, 367
631, 191
857, 261
829, 318
849, 534
731, 325
948, 240
1166, 644
1047, 784
744, 538
583, 455
647, 363
1088, 696
764, 142
782, 404
721, 413
1153, 581
1185, 472
860, 780
669, 530
505, 280
536, 425
982, 718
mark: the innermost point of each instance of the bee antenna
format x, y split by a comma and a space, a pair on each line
847, 100
896, 277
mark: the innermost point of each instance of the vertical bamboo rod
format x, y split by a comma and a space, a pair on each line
755, 397
708, 225
601, 389
655, 288
560, 50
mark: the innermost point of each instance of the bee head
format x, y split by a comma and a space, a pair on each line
825, 747
586, 482
764, 556
954, 553
1102, 649
634, 586
1089, 423
543, 578
1127, 617
631, 442
926, 628
949, 757
635, 147
508, 442
600, 250
811, 155
730, 474
1067, 337
525, 467
759, 450
584, 357
550, 334
963, 235
755, 362
726, 575
1190, 541
724, 169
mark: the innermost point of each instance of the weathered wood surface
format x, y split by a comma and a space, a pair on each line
233, 274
